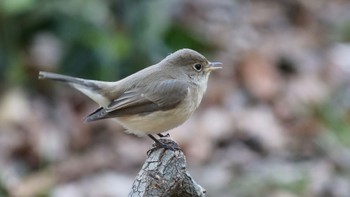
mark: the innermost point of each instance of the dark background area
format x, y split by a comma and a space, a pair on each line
275, 121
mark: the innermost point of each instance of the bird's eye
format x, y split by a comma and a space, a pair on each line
198, 67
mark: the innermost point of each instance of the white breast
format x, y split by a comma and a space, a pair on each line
162, 121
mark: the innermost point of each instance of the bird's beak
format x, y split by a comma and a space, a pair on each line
214, 66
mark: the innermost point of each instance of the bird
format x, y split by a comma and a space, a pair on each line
153, 100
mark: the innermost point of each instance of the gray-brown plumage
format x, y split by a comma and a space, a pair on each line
152, 100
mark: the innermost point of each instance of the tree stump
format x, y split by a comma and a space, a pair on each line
164, 174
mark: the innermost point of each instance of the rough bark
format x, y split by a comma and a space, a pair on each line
164, 174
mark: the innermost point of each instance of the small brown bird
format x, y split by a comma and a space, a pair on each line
150, 101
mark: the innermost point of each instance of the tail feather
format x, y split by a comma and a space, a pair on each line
68, 79
91, 88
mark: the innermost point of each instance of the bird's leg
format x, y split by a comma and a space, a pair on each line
159, 143
155, 140
161, 135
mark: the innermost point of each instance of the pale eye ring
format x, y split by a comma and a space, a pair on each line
198, 67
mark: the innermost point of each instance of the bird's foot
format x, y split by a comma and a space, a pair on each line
163, 135
167, 144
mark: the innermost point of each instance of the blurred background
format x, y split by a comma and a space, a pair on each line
275, 121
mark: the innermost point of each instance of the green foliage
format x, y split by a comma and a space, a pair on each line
335, 114
13, 7
343, 32
99, 39
3, 191
177, 37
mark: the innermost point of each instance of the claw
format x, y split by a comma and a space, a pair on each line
161, 135
158, 144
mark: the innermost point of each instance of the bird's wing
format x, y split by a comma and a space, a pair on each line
143, 100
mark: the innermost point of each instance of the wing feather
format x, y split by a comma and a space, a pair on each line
143, 100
